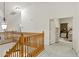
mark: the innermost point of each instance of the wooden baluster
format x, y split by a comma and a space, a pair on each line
22, 46
9, 52
29, 41
17, 49
25, 45
16, 54
36, 38
40, 41
34, 41
6, 53
37, 41
12, 54
22, 51
25, 51
43, 40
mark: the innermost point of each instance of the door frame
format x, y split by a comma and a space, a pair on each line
58, 19
72, 26
50, 20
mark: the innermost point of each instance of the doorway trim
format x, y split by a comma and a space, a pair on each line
58, 19
50, 20
72, 26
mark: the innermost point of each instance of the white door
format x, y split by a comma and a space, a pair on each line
52, 32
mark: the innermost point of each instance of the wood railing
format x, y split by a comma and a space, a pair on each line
27, 45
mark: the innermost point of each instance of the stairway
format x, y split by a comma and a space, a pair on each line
27, 46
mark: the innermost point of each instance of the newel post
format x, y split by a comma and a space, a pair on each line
43, 39
22, 45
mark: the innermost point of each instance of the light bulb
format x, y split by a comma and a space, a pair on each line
4, 26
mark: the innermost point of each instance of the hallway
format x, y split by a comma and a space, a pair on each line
61, 49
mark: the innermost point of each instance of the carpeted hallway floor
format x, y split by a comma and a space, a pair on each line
60, 49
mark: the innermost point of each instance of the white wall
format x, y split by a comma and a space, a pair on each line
36, 17
1, 20
76, 28
57, 24
13, 22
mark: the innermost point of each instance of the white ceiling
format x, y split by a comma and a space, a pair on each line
23, 5
1, 6
10, 5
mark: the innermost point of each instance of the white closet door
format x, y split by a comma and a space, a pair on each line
52, 32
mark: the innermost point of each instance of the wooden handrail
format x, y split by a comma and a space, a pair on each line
35, 42
15, 47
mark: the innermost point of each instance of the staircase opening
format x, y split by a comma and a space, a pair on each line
27, 45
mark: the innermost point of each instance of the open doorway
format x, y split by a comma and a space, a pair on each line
62, 32
66, 25
60, 37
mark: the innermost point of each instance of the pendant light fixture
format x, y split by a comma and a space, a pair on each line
4, 25
4, 12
